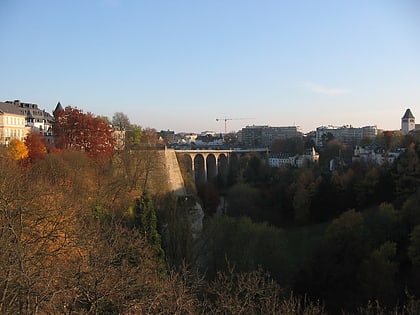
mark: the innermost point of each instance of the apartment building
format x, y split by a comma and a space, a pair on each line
12, 123
345, 134
37, 119
263, 136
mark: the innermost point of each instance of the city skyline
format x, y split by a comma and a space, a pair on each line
180, 65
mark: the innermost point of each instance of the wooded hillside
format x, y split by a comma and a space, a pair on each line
83, 234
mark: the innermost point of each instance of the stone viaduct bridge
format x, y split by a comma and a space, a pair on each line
206, 165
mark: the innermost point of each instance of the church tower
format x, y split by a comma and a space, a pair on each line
408, 122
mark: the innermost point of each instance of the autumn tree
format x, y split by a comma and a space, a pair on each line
36, 145
116, 268
34, 240
56, 256
150, 136
76, 130
17, 150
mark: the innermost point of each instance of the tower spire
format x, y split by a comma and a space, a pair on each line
408, 121
58, 108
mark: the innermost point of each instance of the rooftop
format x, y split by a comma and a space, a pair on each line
408, 114
10, 109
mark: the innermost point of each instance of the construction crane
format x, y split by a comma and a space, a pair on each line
226, 120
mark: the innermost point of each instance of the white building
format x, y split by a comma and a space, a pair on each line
378, 156
189, 138
209, 139
37, 119
293, 160
282, 160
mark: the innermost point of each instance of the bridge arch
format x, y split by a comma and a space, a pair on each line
223, 167
186, 163
199, 167
207, 165
212, 167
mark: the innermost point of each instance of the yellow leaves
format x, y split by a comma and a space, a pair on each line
17, 150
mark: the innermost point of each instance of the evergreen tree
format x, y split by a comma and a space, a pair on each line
145, 219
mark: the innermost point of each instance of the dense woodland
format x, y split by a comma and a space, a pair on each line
85, 229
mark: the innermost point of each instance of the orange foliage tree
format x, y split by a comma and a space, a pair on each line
36, 145
76, 130
18, 150
149, 136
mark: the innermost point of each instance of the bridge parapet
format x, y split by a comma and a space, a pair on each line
227, 151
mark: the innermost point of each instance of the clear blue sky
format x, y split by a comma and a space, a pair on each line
179, 65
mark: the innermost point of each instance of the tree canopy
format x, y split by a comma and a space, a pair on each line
76, 130
121, 121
